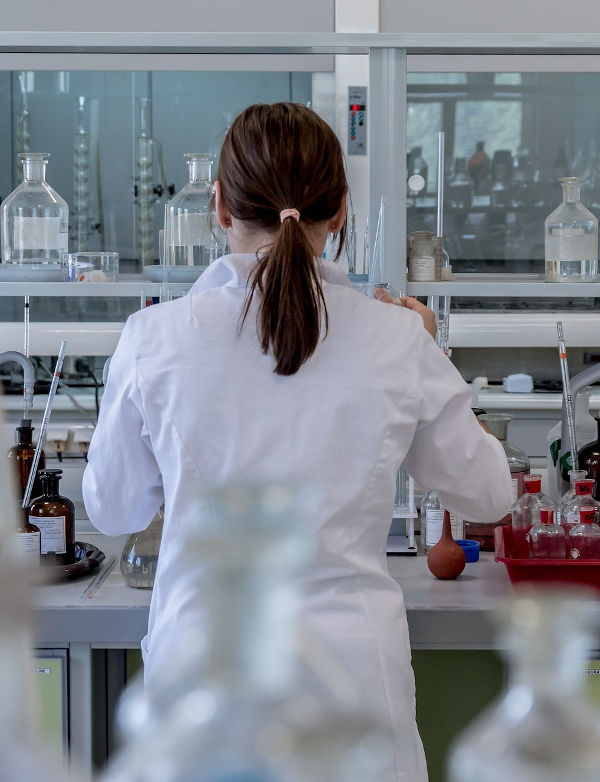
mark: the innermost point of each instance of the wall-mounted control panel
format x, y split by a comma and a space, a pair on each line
357, 120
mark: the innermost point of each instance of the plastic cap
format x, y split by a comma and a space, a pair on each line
24, 423
584, 487
50, 472
533, 484
587, 514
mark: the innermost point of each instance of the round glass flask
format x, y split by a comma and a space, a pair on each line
571, 238
35, 219
139, 558
188, 237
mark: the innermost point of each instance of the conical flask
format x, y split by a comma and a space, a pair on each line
139, 558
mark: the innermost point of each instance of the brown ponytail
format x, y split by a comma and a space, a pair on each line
279, 157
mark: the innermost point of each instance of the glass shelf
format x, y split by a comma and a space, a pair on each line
504, 285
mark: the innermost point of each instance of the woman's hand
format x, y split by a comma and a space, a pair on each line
411, 304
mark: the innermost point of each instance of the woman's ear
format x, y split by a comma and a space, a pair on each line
337, 221
223, 214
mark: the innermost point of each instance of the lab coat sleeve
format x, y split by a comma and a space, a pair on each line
122, 484
450, 451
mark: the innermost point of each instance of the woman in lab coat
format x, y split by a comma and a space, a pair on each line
273, 368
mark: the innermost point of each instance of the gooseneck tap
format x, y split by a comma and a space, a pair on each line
28, 374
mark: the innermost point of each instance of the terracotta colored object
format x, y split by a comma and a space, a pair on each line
446, 559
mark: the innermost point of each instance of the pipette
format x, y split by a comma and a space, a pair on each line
567, 399
44, 425
378, 246
26, 347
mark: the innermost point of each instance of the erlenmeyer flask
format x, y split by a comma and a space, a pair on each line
139, 558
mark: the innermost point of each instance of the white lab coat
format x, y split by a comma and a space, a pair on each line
190, 402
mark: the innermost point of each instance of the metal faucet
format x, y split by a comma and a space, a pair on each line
28, 373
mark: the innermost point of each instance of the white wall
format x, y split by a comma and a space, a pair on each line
172, 16
489, 16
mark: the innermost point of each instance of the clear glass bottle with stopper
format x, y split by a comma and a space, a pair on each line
569, 511
571, 238
584, 539
524, 512
35, 219
547, 540
188, 237
543, 728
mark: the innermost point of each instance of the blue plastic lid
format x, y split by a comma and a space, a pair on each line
471, 549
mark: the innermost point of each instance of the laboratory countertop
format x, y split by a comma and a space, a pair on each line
106, 613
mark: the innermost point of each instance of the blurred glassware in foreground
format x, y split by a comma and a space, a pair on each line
543, 729
240, 700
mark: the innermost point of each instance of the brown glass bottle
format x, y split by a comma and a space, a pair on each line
55, 517
22, 456
589, 460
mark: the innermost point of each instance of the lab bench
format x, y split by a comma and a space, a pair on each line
83, 618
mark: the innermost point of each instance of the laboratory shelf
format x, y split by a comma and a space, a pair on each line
504, 285
129, 286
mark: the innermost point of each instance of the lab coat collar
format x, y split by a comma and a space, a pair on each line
232, 271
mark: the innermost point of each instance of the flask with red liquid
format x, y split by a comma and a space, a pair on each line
569, 495
584, 539
518, 464
547, 540
524, 512
570, 517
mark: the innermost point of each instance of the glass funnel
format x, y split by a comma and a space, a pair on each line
35, 219
571, 238
139, 558
188, 237
543, 729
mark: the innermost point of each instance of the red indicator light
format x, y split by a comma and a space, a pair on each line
355, 107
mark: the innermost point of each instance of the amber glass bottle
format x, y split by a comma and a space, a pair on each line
589, 460
55, 517
22, 456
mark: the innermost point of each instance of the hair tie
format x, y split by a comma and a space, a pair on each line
285, 213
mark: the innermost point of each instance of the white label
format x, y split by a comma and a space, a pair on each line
40, 233
29, 548
434, 520
422, 269
515, 489
52, 529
